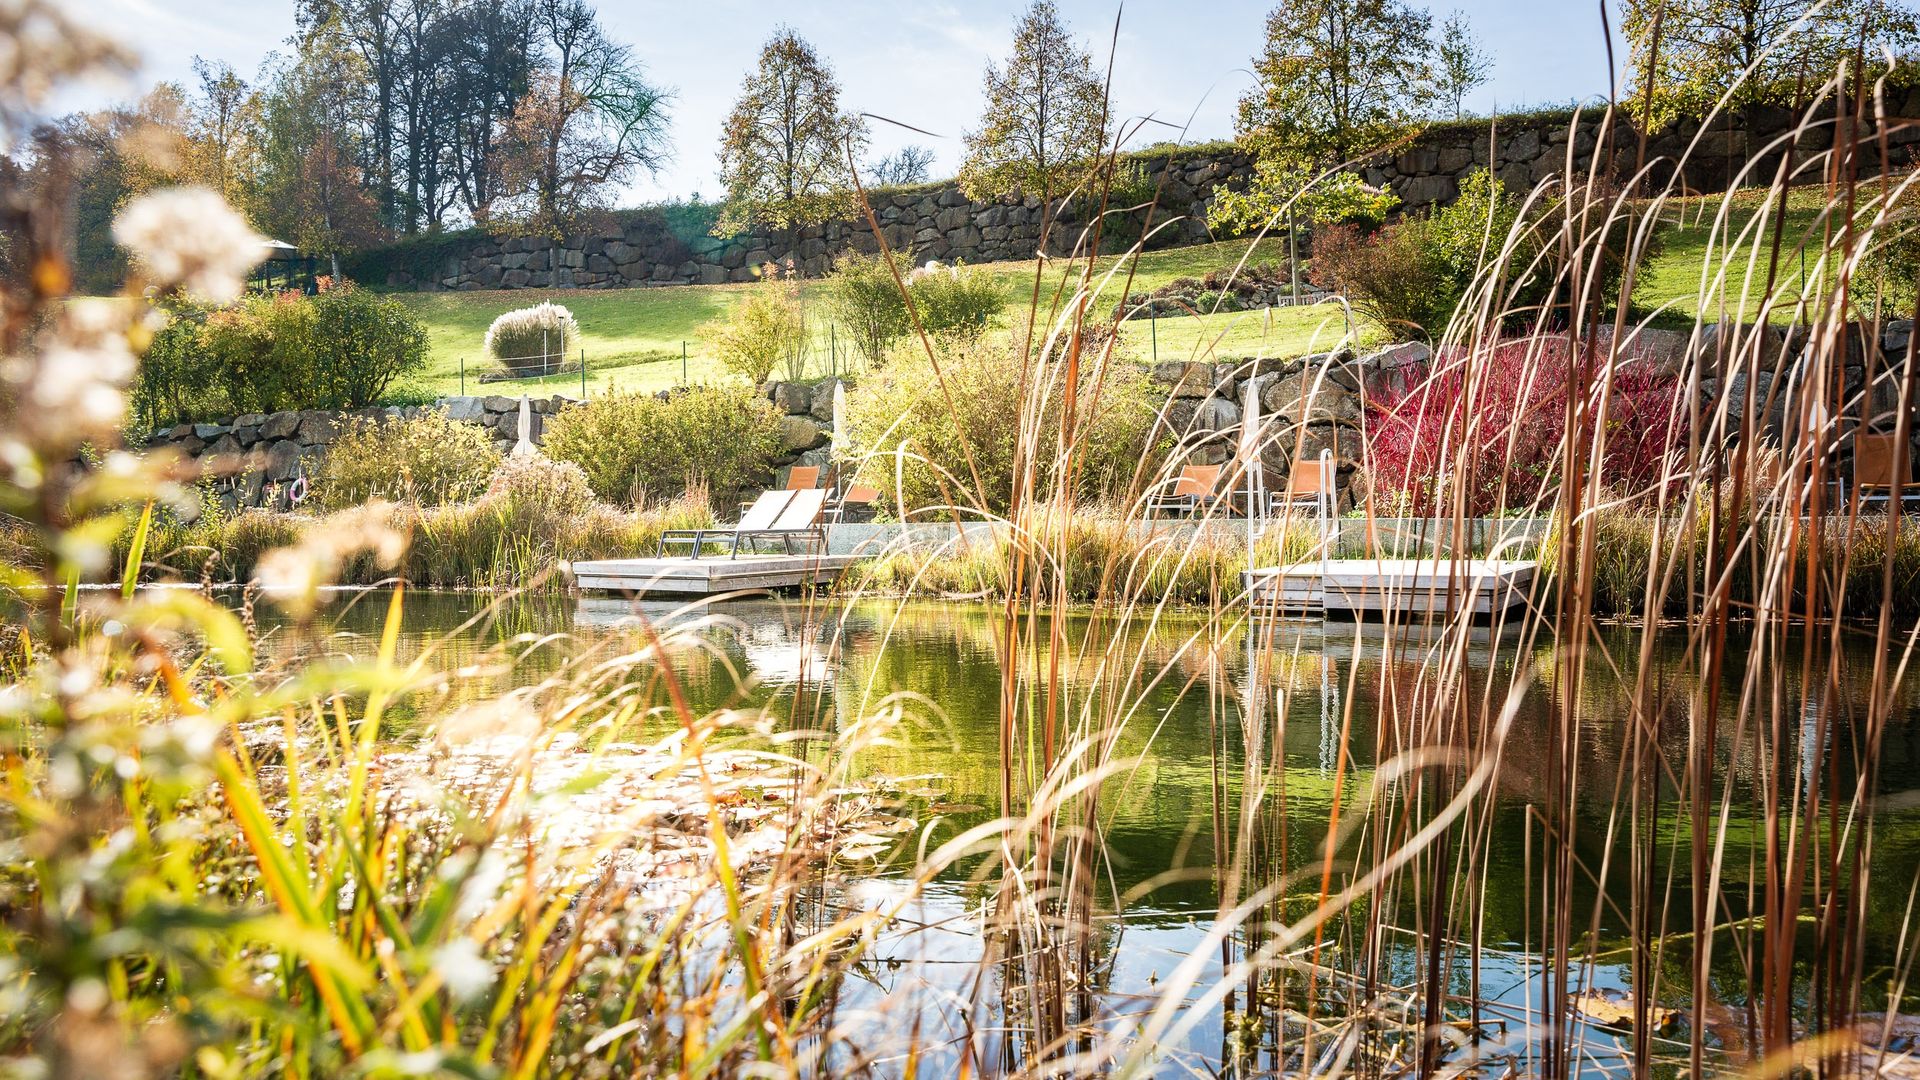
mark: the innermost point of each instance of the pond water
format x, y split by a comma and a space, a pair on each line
1184, 748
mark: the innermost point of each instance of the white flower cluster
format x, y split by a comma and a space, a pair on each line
71, 385
189, 238
41, 48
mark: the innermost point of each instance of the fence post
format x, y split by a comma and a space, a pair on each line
1153, 327
683, 362
833, 350
583, 374
463, 376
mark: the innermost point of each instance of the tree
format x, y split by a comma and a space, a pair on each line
1461, 64
786, 145
223, 116
121, 153
908, 165
1708, 47
588, 123
1045, 123
1337, 78
310, 191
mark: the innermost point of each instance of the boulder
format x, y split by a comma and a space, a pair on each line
794, 399
280, 425
208, 432
316, 428
1184, 379
1390, 371
823, 399
1306, 399
800, 433
282, 460
466, 409
1216, 414
1894, 339
225, 444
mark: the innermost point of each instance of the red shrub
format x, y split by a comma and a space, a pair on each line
1512, 419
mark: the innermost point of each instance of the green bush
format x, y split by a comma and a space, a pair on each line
532, 340
903, 409
178, 382
362, 344
957, 301
766, 329
340, 349
864, 299
427, 459
258, 352
636, 446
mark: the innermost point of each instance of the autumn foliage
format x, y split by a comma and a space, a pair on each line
1490, 426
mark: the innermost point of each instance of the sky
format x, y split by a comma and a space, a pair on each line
917, 62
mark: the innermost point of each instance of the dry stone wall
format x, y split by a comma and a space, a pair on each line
258, 459
647, 248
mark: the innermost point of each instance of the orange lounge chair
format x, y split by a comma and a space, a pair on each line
1873, 476
1191, 493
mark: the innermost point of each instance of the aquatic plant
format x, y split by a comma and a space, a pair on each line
234, 859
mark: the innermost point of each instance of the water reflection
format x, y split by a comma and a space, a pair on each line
1207, 725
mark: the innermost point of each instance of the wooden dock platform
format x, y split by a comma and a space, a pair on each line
711, 575
1361, 588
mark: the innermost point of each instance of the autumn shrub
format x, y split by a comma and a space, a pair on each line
542, 482
1411, 276
1503, 416
633, 447
903, 412
427, 459
532, 340
343, 348
863, 297
765, 330
956, 301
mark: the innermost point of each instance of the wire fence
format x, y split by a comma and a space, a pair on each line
534, 367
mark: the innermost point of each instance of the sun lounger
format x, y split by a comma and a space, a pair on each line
1873, 477
801, 519
1309, 490
759, 516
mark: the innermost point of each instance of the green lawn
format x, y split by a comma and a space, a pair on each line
1695, 250
633, 338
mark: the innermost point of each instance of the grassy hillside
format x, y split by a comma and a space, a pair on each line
633, 338
1700, 244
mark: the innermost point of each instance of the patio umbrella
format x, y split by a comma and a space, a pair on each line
524, 448
839, 425
1250, 460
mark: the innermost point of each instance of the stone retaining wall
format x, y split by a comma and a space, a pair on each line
646, 247
1309, 404
1315, 403
255, 459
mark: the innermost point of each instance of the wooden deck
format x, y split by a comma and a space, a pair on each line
710, 575
1360, 588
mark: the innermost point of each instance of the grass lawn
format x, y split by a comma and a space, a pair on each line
1700, 256
633, 337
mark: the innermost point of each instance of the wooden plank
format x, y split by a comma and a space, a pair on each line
707, 576
1408, 586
